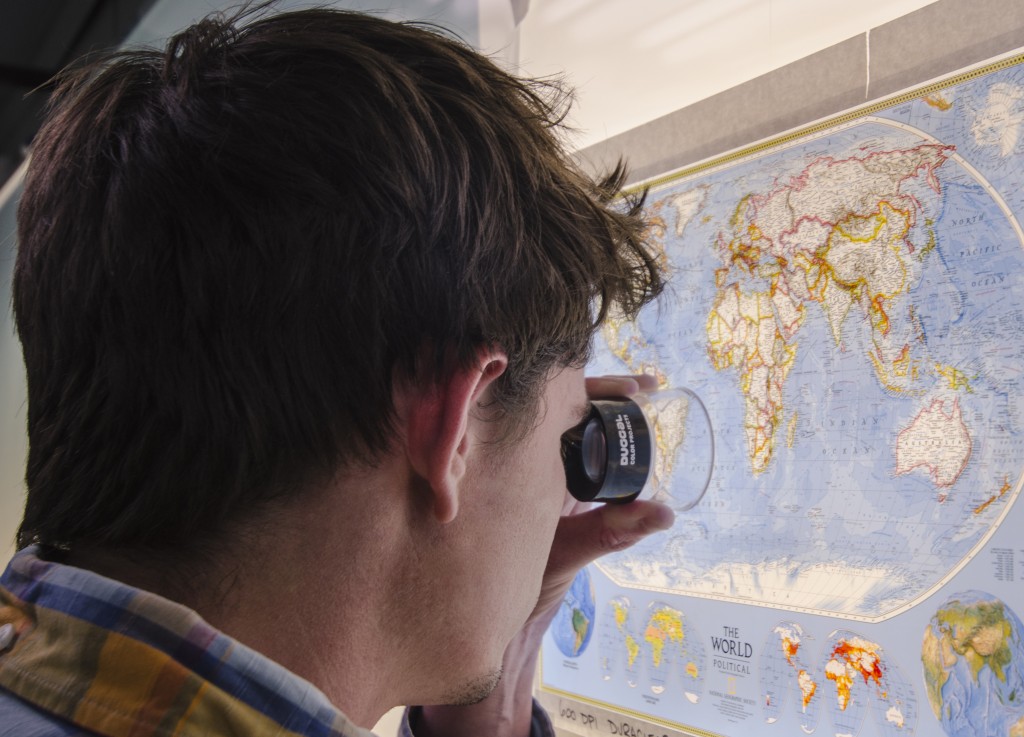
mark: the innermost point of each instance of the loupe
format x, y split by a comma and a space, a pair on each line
652, 445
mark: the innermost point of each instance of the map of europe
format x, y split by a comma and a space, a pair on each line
850, 307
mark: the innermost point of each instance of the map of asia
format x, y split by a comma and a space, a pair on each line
848, 301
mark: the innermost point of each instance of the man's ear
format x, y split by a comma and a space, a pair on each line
438, 428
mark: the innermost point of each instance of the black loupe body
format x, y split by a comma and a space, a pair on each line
609, 456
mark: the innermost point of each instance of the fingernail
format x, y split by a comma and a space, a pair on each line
662, 517
625, 529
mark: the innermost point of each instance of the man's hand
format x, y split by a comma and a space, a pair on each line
585, 532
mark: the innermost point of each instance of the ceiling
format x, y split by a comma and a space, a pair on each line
38, 38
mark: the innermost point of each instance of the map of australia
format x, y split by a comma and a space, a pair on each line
850, 307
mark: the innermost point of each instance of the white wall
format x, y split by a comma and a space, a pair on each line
635, 61
13, 443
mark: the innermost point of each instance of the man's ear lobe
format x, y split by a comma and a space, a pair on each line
439, 434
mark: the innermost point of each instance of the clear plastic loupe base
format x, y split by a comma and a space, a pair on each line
683, 447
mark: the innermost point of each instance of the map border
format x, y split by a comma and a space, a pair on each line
852, 115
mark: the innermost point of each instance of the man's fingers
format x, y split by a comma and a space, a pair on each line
599, 387
646, 382
581, 538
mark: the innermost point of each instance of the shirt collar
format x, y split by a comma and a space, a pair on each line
113, 659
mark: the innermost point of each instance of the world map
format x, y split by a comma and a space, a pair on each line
653, 649
847, 301
848, 677
850, 308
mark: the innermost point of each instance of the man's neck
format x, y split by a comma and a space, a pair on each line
317, 586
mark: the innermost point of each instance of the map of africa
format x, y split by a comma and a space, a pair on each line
848, 303
850, 307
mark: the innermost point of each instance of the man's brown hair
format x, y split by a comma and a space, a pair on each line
229, 249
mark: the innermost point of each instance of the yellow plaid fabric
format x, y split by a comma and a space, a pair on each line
89, 656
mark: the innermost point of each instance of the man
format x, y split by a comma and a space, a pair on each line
304, 301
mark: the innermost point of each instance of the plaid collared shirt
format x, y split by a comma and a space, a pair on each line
83, 655
86, 655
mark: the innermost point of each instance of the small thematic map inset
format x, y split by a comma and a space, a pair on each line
848, 302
